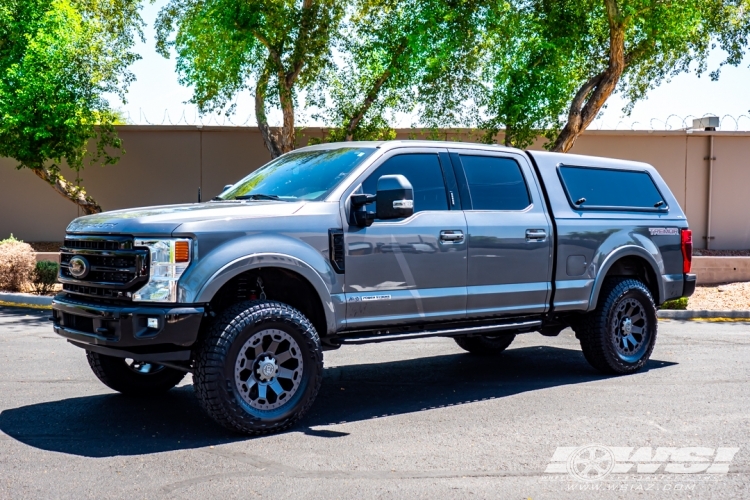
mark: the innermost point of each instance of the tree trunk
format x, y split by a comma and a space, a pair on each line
594, 93
284, 140
270, 139
373, 93
288, 140
76, 194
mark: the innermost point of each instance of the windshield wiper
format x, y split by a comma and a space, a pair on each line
257, 196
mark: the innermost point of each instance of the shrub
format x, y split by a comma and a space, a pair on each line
11, 239
45, 277
677, 304
16, 264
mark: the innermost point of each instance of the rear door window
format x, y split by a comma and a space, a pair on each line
604, 188
495, 183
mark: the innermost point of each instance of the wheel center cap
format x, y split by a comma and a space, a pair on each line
627, 326
267, 369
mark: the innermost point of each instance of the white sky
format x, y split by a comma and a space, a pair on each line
157, 98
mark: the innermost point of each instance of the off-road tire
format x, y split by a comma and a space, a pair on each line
483, 345
116, 374
599, 336
214, 375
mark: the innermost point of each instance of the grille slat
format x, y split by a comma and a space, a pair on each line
116, 267
81, 244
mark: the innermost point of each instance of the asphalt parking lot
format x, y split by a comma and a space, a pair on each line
416, 419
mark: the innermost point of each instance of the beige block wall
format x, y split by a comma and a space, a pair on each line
730, 203
167, 164
228, 156
717, 270
159, 167
29, 208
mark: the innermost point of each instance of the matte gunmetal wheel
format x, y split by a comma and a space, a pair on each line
259, 368
268, 370
619, 335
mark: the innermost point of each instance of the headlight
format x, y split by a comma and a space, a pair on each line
169, 259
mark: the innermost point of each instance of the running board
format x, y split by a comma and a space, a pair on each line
452, 332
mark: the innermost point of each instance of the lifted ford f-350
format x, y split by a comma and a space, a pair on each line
370, 242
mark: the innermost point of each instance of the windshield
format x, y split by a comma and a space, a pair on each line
304, 175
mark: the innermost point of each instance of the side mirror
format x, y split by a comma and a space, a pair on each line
227, 187
395, 198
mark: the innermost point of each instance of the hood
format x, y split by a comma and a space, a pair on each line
165, 219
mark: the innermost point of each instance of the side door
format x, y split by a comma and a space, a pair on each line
410, 270
510, 241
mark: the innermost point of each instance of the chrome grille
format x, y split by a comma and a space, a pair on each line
115, 268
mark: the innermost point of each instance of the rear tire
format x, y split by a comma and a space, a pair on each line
132, 377
259, 368
618, 337
483, 345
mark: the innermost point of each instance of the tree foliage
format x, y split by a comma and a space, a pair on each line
228, 46
393, 55
567, 58
57, 60
529, 67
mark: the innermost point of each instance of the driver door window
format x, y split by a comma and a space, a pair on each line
425, 174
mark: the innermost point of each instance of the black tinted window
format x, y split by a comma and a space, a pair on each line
425, 175
611, 188
495, 183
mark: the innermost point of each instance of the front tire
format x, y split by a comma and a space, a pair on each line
618, 337
132, 377
259, 368
483, 345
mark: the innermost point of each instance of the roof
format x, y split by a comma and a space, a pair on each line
408, 143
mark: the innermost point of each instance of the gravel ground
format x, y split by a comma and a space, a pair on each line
721, 253
732, 296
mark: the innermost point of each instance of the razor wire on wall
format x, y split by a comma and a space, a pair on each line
729, 123
671, 122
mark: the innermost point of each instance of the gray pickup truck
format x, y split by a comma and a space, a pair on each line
363, 242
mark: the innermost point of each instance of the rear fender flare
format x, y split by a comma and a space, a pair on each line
651, 255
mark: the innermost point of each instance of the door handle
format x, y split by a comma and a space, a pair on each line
536, 235
449, 236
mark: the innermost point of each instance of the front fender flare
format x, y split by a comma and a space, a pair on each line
259, 260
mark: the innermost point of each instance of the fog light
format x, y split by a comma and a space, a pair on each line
152, 323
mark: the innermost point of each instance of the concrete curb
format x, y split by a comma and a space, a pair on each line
670, 314
25, 299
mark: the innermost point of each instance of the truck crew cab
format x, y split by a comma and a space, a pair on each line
363, 242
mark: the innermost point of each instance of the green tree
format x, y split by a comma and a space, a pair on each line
567, 58
393, 55
227, 46
57, 60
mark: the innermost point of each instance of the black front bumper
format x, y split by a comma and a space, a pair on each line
126, 326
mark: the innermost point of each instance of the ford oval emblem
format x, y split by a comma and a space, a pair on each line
78, 267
